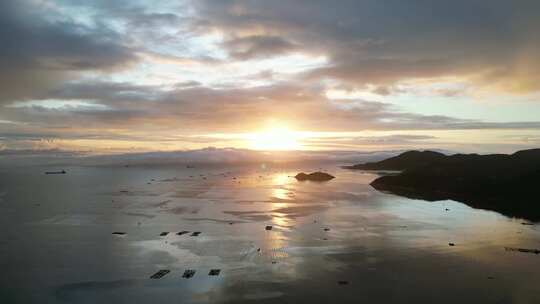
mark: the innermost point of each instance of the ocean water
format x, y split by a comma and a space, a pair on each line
339, 241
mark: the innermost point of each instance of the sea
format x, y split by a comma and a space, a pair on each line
102, 234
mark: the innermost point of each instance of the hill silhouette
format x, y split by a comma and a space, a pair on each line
401, 162
498, 182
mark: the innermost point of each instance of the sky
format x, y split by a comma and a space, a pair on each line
124, 76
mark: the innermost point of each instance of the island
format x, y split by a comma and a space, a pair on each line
498, 182
315, 176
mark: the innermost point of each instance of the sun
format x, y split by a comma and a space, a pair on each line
276, 139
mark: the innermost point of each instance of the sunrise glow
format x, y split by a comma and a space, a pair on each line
275, 139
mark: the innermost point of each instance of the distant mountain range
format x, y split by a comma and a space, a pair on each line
500, 182
205, 156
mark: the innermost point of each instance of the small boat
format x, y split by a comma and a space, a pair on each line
56, 172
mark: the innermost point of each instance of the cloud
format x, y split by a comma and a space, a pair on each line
252, 47
129, 112
38, 53
168, 72
383, 42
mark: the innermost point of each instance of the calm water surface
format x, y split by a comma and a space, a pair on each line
57, 245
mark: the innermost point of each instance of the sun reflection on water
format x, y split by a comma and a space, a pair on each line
280, 191
281, 179
282, 194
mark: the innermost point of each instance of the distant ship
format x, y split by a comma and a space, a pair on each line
56, 172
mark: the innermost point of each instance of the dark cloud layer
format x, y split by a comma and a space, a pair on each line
385, 41
196, 110
258, 47
37, 53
